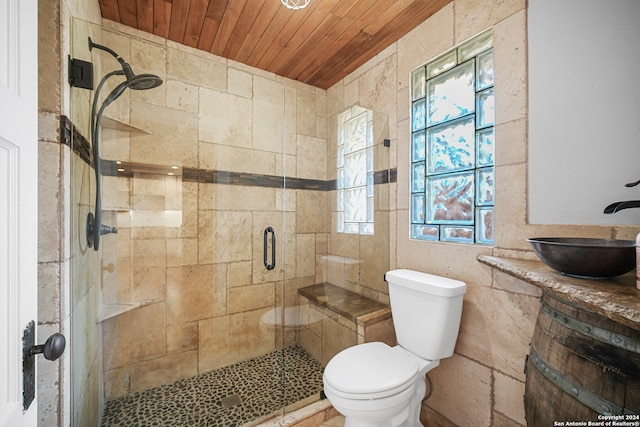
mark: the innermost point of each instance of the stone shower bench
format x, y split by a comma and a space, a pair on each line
370, 319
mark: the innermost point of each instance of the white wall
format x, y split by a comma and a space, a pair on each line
584, 110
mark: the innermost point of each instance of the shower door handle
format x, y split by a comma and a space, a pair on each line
267, 231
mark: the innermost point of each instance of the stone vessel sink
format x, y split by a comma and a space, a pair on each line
586, 257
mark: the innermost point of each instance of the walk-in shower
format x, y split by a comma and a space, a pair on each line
223, 186
133, 81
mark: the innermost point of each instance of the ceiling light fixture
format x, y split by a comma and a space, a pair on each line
296, 4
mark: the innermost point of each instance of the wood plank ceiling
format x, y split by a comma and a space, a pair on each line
318, 45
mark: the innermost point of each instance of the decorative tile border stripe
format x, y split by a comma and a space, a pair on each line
82, 148
385, 176
78, 143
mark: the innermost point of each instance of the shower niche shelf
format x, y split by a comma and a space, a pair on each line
111, 123
109, 311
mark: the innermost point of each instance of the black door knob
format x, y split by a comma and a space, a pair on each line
52, 349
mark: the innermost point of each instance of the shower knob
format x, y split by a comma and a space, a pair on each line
52, 349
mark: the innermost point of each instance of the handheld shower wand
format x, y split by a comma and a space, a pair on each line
94, 226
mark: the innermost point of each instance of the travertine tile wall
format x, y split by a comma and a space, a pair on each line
483, 382
61, 308
52, 262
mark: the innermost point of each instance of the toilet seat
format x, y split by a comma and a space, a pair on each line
371, 371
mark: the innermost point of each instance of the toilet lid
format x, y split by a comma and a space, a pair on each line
370, 368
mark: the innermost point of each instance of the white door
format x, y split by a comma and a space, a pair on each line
18, 199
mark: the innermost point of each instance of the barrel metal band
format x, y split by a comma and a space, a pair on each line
584, 396
596, 332
567, 302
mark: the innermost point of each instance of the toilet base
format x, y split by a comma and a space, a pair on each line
401, 420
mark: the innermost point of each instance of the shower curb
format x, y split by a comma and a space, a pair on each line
298, 416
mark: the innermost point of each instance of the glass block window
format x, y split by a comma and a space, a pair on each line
452, 145
355, 180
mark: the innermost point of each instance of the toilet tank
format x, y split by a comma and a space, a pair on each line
426, 312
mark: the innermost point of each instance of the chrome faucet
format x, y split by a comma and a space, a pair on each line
618, 206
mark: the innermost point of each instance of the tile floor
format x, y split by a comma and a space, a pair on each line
337, 421
232, 396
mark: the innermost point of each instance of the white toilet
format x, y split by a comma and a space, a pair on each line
375, 385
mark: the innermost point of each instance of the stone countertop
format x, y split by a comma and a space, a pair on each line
615, 298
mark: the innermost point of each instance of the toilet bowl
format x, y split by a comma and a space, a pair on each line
376, 385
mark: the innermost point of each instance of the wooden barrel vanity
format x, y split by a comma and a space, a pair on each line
584, 359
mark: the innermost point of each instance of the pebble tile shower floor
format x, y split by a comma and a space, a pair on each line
230, 396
